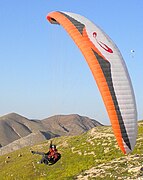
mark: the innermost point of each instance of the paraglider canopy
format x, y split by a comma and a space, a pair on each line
110, 73
132, 53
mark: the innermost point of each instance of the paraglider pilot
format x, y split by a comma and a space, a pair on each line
52, 156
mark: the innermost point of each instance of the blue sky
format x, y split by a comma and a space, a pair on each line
43, 73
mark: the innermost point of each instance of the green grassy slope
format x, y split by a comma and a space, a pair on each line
94, 154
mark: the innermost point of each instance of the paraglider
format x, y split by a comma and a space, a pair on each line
132, 53
110, 73
49, 158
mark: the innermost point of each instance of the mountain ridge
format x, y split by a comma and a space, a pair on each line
14, 127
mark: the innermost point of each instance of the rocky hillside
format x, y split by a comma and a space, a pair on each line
69, 124
91, 155
14, 126
31, 139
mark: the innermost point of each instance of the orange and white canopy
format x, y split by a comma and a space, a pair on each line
110, 72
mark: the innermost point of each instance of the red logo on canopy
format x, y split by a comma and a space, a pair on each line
101, 44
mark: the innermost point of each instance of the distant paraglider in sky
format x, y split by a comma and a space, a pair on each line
132, 53
110, 72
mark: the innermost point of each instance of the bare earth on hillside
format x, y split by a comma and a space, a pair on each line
130, 164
